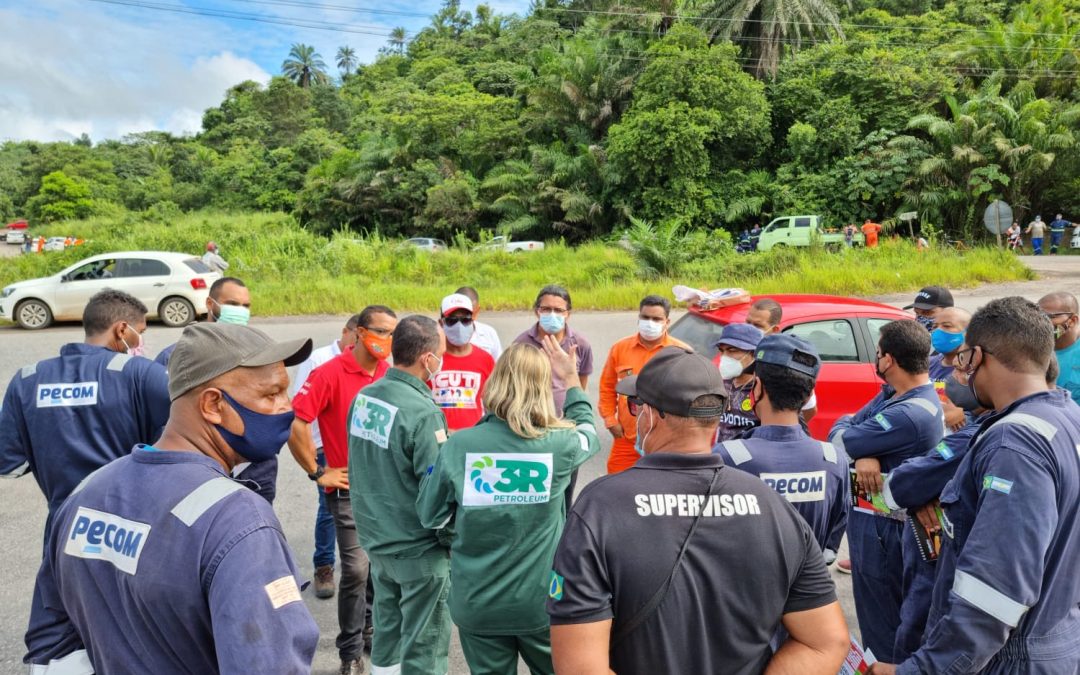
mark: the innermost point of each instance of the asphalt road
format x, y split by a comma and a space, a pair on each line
22, 508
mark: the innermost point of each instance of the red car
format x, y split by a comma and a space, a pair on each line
844, 330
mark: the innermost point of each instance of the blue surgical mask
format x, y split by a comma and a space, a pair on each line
263, 434
552, 323
944, 342
235, 314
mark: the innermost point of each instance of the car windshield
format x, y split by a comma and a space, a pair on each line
698, 332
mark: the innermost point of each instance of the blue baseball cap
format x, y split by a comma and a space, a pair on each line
740, 336
789, 351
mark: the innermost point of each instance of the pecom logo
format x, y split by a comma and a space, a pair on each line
96, 535
67, 395
512, 478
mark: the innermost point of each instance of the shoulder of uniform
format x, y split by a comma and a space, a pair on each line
117, 362
922, 404
28, 371
209, 495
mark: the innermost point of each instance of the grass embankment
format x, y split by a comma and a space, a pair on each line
292, 271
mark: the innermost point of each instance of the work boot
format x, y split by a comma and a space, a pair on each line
324, 581
844, 567
352, 667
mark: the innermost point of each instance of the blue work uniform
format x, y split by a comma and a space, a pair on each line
1057, 231
812, 475
1007, 593
259, 476
66, 417
917, 482
891, 428
160, 563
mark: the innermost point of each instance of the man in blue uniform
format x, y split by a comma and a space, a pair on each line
810, 474
903, 421
946, 339
1007, 591
160, 562
1057, 232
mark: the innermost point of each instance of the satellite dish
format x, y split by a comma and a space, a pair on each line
998, 217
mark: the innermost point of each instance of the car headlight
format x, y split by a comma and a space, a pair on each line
6, 292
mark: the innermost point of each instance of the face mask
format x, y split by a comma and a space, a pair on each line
137, 350
960, 395
459, 334
432, 373
263, 434
639, 442
880, 373
926, 322
235, 314
730, 368
944, 342
552, 323
650, 330
974, 393
377, 346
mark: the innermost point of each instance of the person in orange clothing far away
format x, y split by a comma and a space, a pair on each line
870, 230
627, 357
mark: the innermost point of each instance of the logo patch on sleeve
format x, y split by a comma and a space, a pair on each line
283, 591
372, 420
511, 478
885, 424
96, 535
555, 587
944, 451
997, 484
67, 395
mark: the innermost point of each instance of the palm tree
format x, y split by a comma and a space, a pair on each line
346, 60
305, 66
397, 39
767, 26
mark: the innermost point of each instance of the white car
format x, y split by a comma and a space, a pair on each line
427, 243
173, 286
54, 244
16, 237
504, 244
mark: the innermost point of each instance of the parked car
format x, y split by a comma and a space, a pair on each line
427, 243
16, 237
801, 231
504, 243
55, 244
174, 286
844, 331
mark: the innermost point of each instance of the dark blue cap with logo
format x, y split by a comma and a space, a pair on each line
740, 336
789, 351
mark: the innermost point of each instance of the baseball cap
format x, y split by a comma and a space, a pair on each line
673, 379
741, 336
789, 351
208, 350
931, 297
454, 302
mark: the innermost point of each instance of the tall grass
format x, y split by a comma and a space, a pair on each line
292, 271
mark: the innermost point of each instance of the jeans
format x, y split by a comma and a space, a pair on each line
324, 526
352, 590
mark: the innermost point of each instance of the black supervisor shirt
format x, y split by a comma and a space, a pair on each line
751, 560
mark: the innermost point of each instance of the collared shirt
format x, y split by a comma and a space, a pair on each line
626, 357
487, 339
622, 539
159, 563
892, 428
1059, 225
534, 336
303, 371
327, 396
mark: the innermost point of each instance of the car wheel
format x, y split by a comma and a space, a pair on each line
175, 312
33, 314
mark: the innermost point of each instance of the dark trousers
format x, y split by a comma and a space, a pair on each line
324, 526
877, 571
352, 589
918, 592
1055, 241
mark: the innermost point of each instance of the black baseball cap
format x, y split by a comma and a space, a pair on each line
789, 351
932, 297
673, 379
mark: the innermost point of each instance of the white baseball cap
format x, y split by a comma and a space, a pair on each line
454, 302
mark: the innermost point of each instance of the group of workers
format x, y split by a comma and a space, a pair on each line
445, 471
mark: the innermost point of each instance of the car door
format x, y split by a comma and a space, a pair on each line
80, 284
800, 232
846, 380
145, 278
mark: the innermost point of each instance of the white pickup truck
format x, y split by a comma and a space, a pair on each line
502, 243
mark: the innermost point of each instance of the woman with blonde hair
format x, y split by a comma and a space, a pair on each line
499, 488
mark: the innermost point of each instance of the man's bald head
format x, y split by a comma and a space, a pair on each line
953, 319
1059, 301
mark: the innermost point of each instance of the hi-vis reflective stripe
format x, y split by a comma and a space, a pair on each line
993, 602
29, 370
203, 498
829, 451
738, 451
838, 442
1039, 426
386, 670
925, 405
75, 663
119, 361
886, 494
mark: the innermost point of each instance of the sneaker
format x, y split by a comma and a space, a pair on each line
352, 667
324, 581
844, 567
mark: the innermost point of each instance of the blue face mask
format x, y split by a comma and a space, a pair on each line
552, 323
263, 434
944, 342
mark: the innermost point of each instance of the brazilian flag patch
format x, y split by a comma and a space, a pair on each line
555, 588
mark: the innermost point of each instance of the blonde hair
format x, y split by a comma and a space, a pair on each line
519, 392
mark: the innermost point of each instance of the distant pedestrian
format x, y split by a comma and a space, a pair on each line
871, 230
849, 235
485, 337
1037, 230
212, 258
1016, 237
1057, 232
755, 236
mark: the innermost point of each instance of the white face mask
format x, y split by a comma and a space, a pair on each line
730, 368
432, 373
650, 330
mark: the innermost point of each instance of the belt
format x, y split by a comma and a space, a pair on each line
340, 494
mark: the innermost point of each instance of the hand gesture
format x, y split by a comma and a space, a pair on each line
563, 364
335, 478
868, 475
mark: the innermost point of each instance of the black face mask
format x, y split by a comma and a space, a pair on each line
975, 394
880, 373
960, 395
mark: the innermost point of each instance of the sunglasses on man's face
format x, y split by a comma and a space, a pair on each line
455, 320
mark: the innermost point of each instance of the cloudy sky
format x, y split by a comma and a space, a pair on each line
112, 67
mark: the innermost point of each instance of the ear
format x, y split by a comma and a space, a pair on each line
212, 405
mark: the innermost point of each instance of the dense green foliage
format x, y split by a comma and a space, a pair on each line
292, 270
587, 113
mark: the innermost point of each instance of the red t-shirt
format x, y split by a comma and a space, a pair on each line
327, 397
458, 386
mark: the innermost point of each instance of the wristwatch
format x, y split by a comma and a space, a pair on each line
319, 471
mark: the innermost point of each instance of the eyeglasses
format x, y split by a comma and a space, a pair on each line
455, 320
552, 310
1054, 315
963, 357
